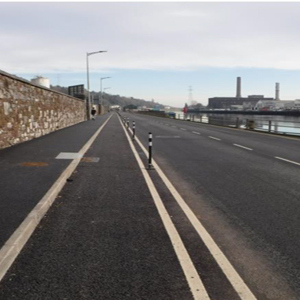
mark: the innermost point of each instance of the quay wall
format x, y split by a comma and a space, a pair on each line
29, 111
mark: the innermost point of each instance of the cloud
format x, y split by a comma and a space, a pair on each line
155, 36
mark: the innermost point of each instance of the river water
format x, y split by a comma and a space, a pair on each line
276, 124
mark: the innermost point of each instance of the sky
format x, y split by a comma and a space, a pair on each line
156, 50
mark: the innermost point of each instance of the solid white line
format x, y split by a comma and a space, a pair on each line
214, 138
234, 278
196, 132
237, 145
191, 274
16, 242
290, 161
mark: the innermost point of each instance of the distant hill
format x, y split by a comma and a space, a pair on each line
108, 99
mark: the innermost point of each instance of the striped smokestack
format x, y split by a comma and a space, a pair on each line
277, 91
238, 87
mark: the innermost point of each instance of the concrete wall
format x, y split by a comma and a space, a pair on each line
29, 111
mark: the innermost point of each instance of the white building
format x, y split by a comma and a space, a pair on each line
275, 105
39, 80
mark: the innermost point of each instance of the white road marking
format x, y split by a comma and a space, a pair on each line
214, 138
290, 161
196, 132
17, 241
191, 274
68, 155
237, 145
234, 278
174, 126
182, 128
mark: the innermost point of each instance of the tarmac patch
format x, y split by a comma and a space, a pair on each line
34, 164
90, 159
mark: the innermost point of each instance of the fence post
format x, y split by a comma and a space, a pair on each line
237, 122
270, 125
133, 130
150, 151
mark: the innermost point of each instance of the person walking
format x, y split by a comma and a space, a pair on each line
93, 112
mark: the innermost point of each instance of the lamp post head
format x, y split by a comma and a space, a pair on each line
91, 53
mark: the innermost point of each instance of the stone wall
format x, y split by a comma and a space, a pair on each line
29, 111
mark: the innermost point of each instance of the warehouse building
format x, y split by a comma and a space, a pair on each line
247, 102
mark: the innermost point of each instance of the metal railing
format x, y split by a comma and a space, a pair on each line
270, 126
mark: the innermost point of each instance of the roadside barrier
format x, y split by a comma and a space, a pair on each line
126, 125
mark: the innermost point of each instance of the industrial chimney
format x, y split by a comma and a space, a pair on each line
238, 87
277, 91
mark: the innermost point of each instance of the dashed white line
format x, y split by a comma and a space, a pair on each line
290, 161
196, 132
214, 138
182, 128
237, 145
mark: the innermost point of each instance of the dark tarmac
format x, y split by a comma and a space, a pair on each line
102, 238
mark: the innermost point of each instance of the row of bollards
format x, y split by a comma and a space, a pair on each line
127, 125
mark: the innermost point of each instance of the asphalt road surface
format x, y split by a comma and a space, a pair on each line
107, 235
245, 188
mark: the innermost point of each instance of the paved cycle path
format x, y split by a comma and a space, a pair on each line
102, 238
29, 169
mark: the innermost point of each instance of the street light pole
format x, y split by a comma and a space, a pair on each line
88, 100
101, 87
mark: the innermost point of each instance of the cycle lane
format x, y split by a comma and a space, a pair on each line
102, 238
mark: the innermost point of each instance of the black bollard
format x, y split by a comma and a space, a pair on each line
133, 130
150, 151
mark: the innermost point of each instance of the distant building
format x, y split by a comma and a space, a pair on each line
234, 102
297, 104
227, 102
43, 81
276, 105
